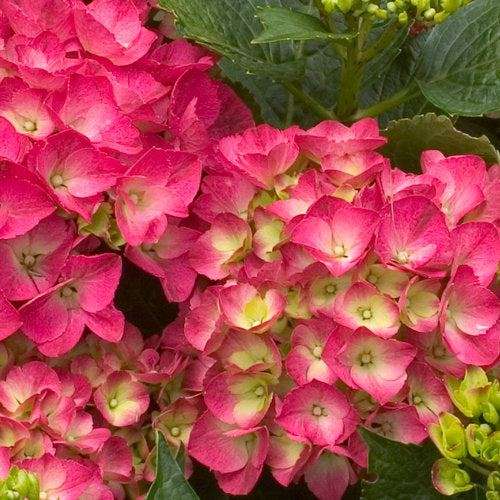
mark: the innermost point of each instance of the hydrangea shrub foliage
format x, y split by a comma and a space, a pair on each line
333, 299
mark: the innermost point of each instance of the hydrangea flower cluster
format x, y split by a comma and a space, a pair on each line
319, 288
345, 290
104, 131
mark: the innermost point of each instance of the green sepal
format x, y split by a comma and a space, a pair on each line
449, 478
449, 437
475, 436
493, 481
20, 484
103, 225
495, 394
471, 394
490, 451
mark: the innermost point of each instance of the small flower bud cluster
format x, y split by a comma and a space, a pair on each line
19, 485
424, 12
473, 445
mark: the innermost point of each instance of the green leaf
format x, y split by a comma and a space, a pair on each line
275, 106
393, 78
403, 471
228, 27
459, 66
270, 99
281, 23
169, 483
379, 65
408, 138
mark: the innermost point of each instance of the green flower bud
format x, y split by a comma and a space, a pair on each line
495, 394
451, 5
492, 495
423, 4
493, 481
469, 394
441, 17
381, 14
475, 436
403, 18
23, 484
429, 14
372, 8
399, 4
448, 478
344, 5
449, 437
490, 414
392, 7
329, 5
490, 451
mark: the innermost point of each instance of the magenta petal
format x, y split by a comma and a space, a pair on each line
25, 205
96, 279
478, 350
476, 244
45, 317
68, 339
107, 323
10, 320
211, 445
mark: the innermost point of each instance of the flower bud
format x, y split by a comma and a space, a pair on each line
448, 478
329, 5
21, 484
490, 451
475, 436
451, 5
441, 17
471, 394
449, 437
344, 5
392, 7
429, 14
403, 18
493, 481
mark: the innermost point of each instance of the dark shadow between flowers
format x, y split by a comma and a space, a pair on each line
141, 299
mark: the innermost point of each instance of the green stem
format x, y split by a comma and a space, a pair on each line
476, 467
384, 41
352, 69
405, 94
320, 110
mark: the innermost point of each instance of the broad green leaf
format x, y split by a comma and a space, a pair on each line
379, 65
275, 105
403, 471
393, 78
169, 483
228, 27
269, 99
459, 66
408, 138
281, 23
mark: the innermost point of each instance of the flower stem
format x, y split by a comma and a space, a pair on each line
320, 110
405, 94
476, 467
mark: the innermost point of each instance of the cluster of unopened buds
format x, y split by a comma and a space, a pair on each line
425, 12
319, 288
473, 448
